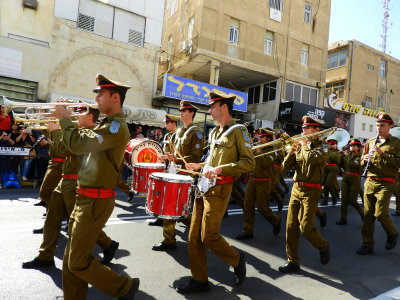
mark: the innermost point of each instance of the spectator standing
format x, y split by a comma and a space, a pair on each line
6, 119
26, 140
42, 156
139, 132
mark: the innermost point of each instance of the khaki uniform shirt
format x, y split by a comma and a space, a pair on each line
387, 164
169, 137
333, 159
55, 138
103, 148
308, 161
352, 164
264, 164
190, 146
234, 153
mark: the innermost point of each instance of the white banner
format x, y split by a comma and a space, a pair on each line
14, 151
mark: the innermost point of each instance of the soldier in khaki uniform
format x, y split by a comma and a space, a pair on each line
189, 143
102, 149
63, 202
331, 170
384, 162
309, 159
259, 187
230, 156
351, 181
276, 191
397, 195
171, 123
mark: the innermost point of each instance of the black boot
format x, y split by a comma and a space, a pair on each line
193, 286
322, 220
109, 253
289, 268
156, 222
37, 263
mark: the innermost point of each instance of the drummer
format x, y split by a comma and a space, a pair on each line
171, 124
188, 148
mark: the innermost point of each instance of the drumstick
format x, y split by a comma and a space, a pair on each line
194, 173
175, 150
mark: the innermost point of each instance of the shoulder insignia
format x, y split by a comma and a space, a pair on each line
199, 135
100, 138
245, 134
115, 126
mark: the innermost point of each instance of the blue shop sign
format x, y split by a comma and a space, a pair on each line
195, 91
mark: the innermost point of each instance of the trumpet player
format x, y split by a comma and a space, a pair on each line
309, 159
331, 170
383, 154
258, 189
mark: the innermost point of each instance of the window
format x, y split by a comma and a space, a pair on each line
382, 69
367, 103
370, 68
301, 93
268, 43
269, 92
363, 126
371, 127
234, 32
336, 59
304, 55
172, 7
111, 22
335, 87
307, 13
190, 30
254, 95
382, 100
275, 4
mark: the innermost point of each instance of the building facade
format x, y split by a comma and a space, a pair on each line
364, 82
55, 48
273, 50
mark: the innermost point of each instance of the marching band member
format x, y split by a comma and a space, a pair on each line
331, 170
309, 159
230, 156
381, 184
259, 189
171, 124
102, 149
189, 143
351, 181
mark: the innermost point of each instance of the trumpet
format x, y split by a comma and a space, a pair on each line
286, 142
34, 124
42, 110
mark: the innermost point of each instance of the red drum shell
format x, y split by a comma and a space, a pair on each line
141, 173
169, 195
142, 151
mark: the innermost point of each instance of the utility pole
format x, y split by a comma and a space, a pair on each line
385, 24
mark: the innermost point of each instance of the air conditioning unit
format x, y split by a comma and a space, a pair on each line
184, 47
163, 59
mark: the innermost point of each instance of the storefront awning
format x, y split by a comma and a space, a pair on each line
144, 115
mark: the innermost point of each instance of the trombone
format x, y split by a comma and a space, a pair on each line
286, 142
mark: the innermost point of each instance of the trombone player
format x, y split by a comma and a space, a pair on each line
309, 159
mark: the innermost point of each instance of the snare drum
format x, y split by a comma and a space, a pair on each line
169, 195
142, 151
141, 173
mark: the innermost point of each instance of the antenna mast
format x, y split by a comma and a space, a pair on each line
385, 24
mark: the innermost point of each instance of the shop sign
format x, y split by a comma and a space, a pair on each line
334, 103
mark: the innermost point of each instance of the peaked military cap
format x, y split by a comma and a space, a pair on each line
171, 118
308, 121
384, 117
354, 141
218, 97
265, 131
104, 82
332, 141
187, 105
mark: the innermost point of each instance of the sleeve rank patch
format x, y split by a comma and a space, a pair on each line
115, 126
199, 135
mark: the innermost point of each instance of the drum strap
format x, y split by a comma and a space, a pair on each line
180, 139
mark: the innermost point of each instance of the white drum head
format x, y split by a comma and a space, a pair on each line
149, 165
171, 177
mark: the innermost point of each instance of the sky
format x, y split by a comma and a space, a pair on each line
361, 20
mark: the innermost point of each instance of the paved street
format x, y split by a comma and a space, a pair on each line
347, 276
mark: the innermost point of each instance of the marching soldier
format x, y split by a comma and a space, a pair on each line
171, 123
259, 189
331, 184
397, 195
102, 149
63, 201
189, 144
309, 159
384, 162
277, 173
351, 181
230, 156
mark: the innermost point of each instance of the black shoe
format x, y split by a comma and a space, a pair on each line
364, 250
37, 263
341, 222
277, 228
396, 214
324, 203
131, 294
163, 247
40, 203
391, 241
322, 220
157, 222
280, 205
193, 286
240, 271
324, 256
244, 236
109, 253
289, 268
131, 194
38, 231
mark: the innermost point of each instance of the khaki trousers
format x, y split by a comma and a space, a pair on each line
376, 206
169, 231
350, 189
204, 231
301, 213
79, 266
50, 181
